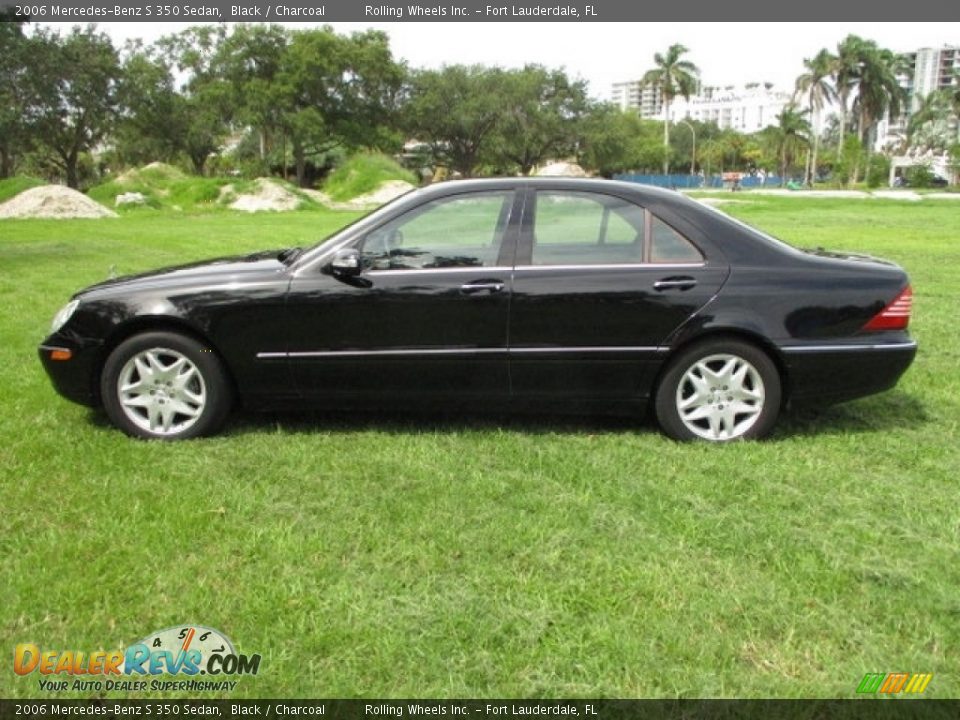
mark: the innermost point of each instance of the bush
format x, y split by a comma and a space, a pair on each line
15, 185
919, 176
163, 186
878, 171
850, 157
364, 173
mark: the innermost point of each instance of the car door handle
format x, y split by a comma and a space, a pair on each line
684, 282
490, 286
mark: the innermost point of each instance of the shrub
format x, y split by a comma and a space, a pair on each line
364, 173
919, 176
17, 184
878, 171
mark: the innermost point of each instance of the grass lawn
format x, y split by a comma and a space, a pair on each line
443, 557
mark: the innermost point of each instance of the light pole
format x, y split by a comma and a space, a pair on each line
693, 154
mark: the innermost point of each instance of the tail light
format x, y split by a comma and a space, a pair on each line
895, 316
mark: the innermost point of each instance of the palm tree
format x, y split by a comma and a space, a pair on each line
927, 126
672, 76
815, 85
878, 88
878, 92
845, 71
790, 135
953, 98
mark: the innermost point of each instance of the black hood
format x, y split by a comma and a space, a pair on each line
238, 266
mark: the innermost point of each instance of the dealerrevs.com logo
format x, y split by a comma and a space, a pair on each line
185, 650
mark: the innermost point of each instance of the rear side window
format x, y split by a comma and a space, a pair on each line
669, 246
578, 228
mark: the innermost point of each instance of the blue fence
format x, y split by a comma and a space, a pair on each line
682, 182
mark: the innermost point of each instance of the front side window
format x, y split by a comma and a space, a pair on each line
578, 228
459, 231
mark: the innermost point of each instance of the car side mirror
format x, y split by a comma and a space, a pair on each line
346, 263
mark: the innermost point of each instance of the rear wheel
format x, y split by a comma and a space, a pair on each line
165, 386
719, 390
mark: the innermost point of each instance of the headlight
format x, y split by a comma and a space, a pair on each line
60, 319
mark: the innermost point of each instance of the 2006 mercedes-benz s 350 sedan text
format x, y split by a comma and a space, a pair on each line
590, 294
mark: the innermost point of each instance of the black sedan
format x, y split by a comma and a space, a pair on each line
580, 294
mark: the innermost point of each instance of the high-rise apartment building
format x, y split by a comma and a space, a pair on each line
929, 70
632, 95
746, 108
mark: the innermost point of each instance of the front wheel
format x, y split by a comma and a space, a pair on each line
719, 390
166, 386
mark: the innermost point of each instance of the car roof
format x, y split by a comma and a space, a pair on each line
640, 192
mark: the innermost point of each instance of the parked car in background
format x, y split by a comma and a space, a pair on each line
587, 295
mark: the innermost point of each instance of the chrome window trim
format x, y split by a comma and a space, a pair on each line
610, 266
415, 271
518, 268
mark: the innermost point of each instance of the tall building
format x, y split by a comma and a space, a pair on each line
933, 69
632, 95
928, 70
746, 108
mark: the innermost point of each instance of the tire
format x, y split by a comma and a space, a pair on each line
165, 386
719, 390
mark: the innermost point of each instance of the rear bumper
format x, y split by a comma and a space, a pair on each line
74, 379
824, 374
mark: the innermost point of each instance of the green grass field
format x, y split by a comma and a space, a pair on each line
435, 557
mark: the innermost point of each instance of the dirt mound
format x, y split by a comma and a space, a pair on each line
561, 169
53, 201
265, 195
383, 194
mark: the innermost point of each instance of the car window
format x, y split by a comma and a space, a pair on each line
669, 246
577, 228
459, 231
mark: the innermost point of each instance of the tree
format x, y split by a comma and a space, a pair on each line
456, 110
954, 154
203, 108
334, 91
878, 89
150, 125
953, 100
250, 59
542, 110
613, 141
928, 127
814, 84
790, 135
14, 88
846, 70
73, 104
672, 76
878, 92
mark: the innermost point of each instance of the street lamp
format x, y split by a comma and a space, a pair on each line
693, 155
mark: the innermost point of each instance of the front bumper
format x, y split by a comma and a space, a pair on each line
824, 374
74, 378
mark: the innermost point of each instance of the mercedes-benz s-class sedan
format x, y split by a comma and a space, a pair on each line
580, 294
